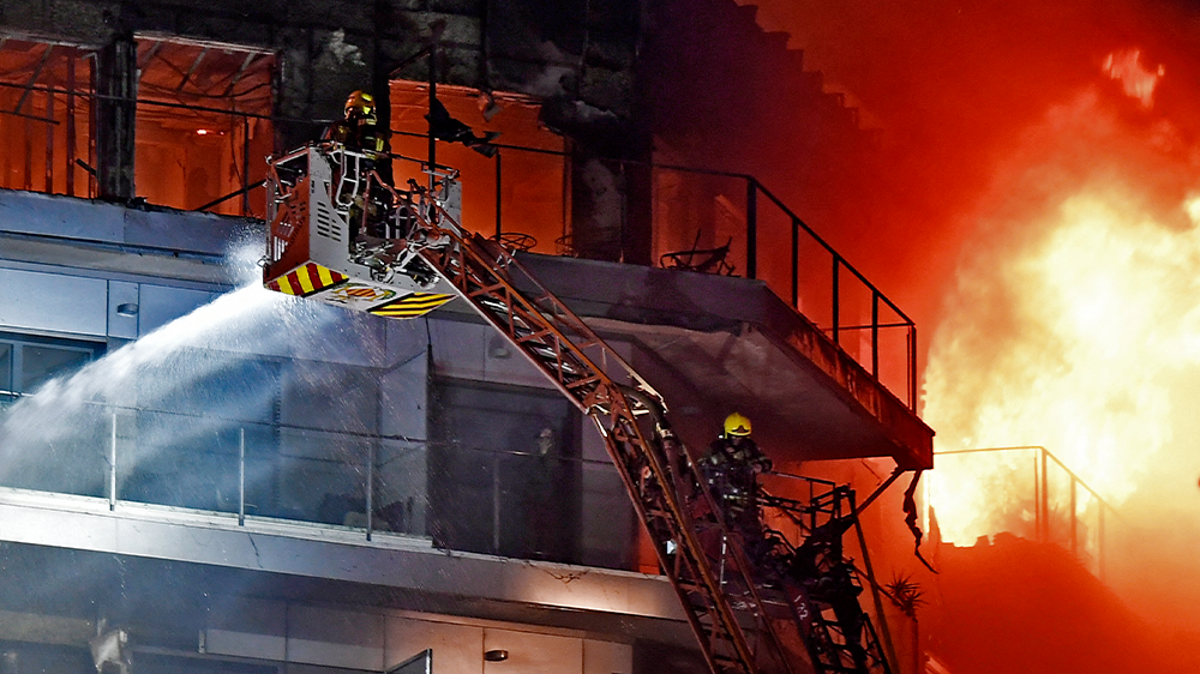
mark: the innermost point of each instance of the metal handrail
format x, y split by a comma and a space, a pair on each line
753, 188
1042, 457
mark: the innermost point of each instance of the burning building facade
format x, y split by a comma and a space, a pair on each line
204, 476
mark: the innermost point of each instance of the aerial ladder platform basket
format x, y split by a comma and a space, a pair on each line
338, 234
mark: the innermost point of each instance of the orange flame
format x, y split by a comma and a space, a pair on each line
1074, 343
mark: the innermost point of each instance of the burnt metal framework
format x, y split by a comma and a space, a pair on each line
843, 280
53, 57
822, 584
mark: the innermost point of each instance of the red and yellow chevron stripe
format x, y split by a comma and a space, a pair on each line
306, 280
411, 306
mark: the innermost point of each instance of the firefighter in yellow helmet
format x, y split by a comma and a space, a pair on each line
357, 131
731, 468
368, 206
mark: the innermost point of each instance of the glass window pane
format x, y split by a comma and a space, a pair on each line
6, 387
41, 363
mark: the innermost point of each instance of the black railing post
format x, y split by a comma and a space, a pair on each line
370, 490
245, 165
836, 302
432, 102
499, 196
112, 466
50, 141
875, 334
70, 187
496, 503
751, 228
796, 263
370, 487
912, 366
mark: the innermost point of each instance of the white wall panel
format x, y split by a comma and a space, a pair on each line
376, 641
404, 398
458, 348
323, 636
32, 213
479, 352
57, 302
605, 657
533, 653
162, 304
457, 649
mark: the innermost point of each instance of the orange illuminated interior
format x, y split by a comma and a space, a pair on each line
43, 129
203, 128
533, 169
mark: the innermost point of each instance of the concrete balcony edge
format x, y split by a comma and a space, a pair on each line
316, 551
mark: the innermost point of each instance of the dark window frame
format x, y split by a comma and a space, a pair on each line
11, 382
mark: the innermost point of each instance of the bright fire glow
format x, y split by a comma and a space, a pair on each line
1074, 341
1139, 83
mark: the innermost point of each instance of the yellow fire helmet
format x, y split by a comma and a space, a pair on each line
737, 426
361, 103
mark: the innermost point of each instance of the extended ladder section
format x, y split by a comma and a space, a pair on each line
736, 636
741, 594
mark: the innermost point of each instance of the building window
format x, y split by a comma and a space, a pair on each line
203, 128
27, 362
505, 471
529, 161
45, 117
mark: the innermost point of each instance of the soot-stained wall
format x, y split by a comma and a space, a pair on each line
576, 55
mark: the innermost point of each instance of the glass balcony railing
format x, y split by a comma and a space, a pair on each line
471, 499
1032, 494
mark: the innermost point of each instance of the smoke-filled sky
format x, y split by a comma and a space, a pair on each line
1037, 217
